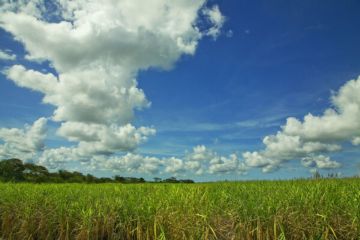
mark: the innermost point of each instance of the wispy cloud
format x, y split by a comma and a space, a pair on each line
186, 126
7, 55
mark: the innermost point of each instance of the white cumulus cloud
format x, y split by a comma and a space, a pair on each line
103, 139
315, 135
320, 161
224, 164
23, 143
202, 160
174, 165
129, 163
58, 157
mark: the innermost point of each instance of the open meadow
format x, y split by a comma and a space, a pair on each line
296, 209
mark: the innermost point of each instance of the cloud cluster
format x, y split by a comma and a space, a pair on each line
128, 163
200, 160
96, 49
23, 143
309, 139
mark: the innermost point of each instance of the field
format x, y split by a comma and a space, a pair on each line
297, 209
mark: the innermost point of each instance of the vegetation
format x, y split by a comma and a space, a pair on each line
14, 170
297, 209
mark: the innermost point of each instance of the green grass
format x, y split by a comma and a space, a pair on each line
299, 209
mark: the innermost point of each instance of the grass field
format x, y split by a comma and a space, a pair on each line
299, 209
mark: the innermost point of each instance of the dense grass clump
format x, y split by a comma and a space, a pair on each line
299, 209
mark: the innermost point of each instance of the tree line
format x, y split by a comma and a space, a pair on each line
15, 170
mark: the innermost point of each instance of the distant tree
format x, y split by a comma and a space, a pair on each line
157, 179
90, 178
77, 177
120, 179
171, 180
104, 180
186, 181
134, 180
55, 178
174, 180
64, 175
35, 173
15, 170
11, 170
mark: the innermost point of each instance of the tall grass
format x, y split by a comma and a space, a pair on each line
301, 209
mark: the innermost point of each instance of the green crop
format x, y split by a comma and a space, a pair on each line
297, 209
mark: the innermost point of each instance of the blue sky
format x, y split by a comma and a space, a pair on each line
267, 61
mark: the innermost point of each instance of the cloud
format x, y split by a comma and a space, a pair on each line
129, 163
315, 135
58, 157
320, 161
339, 123
356, 141
34, 80
4, 55
223, 164
153, 33
96, 50
217, 20
32, 7
82, 96
98, 138
255, 159
200, 153
23, 143
203, 160
174, 165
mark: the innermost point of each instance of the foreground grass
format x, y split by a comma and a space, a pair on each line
301, 209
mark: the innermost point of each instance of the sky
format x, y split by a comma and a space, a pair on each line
207, 90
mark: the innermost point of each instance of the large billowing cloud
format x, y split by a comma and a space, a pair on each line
96, 49
310, 139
